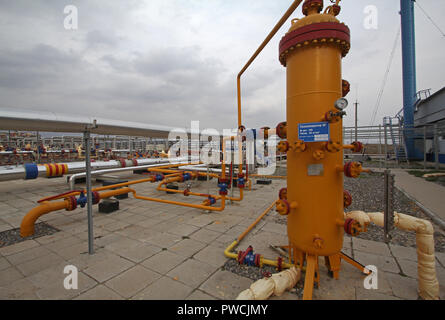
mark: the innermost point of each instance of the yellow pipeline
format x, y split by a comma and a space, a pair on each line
277, 27
118, 185
228, 251
184, 204
28, 221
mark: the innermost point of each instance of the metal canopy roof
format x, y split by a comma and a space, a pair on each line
24, 120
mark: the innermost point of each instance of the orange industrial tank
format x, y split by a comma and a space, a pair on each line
312, 51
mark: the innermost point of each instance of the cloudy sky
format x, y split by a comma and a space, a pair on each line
173, 61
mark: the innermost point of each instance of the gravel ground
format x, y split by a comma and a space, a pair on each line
12, 236
367, 195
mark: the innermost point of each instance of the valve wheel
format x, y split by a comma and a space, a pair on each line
186, 192
347, 199
281, 130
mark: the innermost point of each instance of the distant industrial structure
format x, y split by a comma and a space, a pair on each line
429, 117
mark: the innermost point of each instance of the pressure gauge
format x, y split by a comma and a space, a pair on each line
341, 104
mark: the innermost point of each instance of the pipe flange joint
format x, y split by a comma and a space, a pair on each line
347, 199
312, 4
283, 207
346, 87
96, 197
281, 130
358, 146
72, 203
282, 194
352, 227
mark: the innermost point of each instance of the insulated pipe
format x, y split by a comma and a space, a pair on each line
274, 285
33, 171
277, 27
426, 264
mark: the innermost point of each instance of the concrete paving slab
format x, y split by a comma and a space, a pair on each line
28, 254
192, 272
403, 287
381, 262
21, 289
409, 267
364, 294
130, 282
165, 289
199, 295
57, 291
213, 255
4, 263
225, 285
99, 292
205, 236
183, 230
373, 247
164, 240
440, 256
187, 247
18, 247
163, 262
9, 275
107, 268
400, 252
133, 250
429, 194
39, 264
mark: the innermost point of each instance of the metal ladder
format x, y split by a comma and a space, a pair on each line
399, 146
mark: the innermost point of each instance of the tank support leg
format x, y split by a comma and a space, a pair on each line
333, 263
311, 266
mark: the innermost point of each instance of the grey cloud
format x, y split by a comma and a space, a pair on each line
36, 66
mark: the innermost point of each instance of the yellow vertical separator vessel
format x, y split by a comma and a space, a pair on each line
312, 51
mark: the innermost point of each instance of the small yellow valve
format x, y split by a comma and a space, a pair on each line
319, 155
332, 146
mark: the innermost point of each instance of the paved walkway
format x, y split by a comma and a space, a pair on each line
429, 194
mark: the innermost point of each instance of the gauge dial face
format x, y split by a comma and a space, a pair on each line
341, 104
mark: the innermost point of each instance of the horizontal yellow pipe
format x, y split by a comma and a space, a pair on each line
28, 221
184, 204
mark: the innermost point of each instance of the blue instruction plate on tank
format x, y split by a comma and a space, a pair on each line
313, 132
